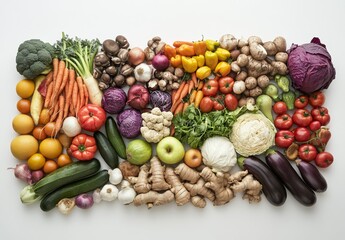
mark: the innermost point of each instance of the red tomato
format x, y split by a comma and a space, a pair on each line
284, 138
210, 88
226, 84
283, 121
307, 152
217, 105
83, 147
206, 105
302, 134
301, 102
321, 114
324, 159
302, 117
91, 117
317, 99
230, 102
280, 107
315, 125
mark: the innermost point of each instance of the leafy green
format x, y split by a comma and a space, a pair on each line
193, 127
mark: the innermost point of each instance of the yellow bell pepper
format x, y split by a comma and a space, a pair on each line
222, 54
222, 69
211, 59
189, 64
200, 59
176, 61
211, 45
203, 72
199, 47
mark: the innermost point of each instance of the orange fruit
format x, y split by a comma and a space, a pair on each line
23, 124
25, 88
50, 148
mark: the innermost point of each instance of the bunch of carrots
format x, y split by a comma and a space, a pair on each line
188, 93
65, 93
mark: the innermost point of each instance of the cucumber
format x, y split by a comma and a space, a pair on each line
115, 137
73, 189
64, 175
106, 150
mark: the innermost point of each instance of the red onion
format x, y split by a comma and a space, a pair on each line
136, 56
84, 201
36, 175
22, 172
138, 96
160, 62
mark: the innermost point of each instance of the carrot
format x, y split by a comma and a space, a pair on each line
179, 109
200, 85
192, 96
194, 79
174, 106
173, 93
55, 68
49, 78
185, 106
178, 92
60, 117
198, 97
78, 104
172, 130
75, 97
81, 91
184, 91
179, 43
71, 80
86, 93
49, 93
53, 112
64, 80
190, 86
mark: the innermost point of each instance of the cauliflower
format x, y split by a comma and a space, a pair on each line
34, 57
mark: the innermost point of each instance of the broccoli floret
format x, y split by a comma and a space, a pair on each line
34, 57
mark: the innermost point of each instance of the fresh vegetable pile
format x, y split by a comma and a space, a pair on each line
222, 117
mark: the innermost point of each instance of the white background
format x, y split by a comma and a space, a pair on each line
298, 21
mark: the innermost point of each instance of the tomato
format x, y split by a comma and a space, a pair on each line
226, 84
63, 160
301, 102
321, 114
302, 134
230, 102
280, 107
36, 161
307, 152
217, 105
317, 99
206, 105
283, 121
50, 166
284, 138
314, 126
210, 88
83, 147
324, 159
91, 117
302, 117
23, 105
321, 137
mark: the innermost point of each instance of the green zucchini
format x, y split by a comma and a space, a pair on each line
106, 150
73, 189
67, 174
115, 137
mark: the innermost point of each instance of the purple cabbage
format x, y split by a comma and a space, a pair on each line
129, 123
161, 99
310, 66
114, 100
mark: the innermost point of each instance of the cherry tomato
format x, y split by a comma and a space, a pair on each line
302, 134
217, 105
50, 166
230, 102
280, 107
317, 99
324, 159
284, 138
226, 84
307, 152
283, 121
210, 88
301, 101
302, 117
206, 105
91, 117
315, 125
64, 160
321, 114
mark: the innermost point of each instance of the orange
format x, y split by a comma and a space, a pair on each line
24, 146
23, 124
50, 148
25, 88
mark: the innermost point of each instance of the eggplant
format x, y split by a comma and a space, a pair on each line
312, 176
282, 167
272, 187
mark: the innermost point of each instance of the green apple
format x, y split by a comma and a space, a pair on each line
170, 150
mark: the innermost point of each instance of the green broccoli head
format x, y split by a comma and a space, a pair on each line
34, 57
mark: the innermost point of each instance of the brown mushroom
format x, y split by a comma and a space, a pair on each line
110, 47
101, 60
122, 41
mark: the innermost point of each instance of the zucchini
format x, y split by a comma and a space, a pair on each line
67, 174
73, 189
115, 137
106, 150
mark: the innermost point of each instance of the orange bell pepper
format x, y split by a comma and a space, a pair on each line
169, 51
186, 50
177, 44
176, 61
200, 47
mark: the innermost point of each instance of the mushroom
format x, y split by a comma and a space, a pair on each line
101, 60
110, 47
122, 41
111, 70
153, 84
119, 80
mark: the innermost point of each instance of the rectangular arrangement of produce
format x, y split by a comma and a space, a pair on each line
188, 122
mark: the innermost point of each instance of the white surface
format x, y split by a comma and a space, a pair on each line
298, 21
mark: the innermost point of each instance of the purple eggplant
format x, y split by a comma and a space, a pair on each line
312, 176
282, 167
272, 187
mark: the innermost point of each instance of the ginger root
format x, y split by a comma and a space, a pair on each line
157, 180
153, 198
250, 187
200, 189
140, 183
186, 173
198, 201
128, 169
182, 196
